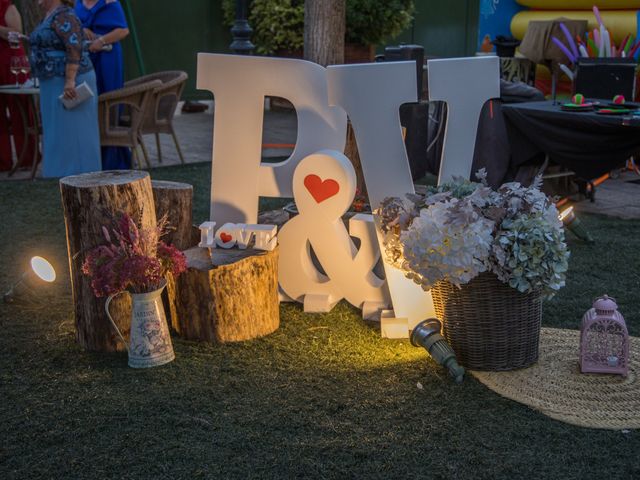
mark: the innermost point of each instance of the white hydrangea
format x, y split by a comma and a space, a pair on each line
461, 229
438, 247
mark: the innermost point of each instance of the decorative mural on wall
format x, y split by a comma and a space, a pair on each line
495, 18
488, 7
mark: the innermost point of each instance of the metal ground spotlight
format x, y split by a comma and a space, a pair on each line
573, 223
427, 335
26, 288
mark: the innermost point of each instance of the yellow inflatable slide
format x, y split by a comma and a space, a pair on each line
579, 4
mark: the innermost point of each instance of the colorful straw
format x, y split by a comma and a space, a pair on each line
593, 50
634, 50
601, 44
567, 71
583, 51
623, 43
607, 43
564, 49
596, 12
572, 44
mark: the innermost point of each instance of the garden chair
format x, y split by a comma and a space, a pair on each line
116, 133
158, 117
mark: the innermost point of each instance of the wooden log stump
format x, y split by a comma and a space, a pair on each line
175, 200
232, 299
88, 201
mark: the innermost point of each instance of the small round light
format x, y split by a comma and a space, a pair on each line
43, 269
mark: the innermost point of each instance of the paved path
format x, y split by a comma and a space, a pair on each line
195, 134
619, 197
616, 197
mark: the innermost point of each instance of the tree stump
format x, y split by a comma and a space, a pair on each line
175, 200
88, 201
232, 299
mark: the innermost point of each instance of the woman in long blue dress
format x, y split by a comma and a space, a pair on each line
105, 24
70, 138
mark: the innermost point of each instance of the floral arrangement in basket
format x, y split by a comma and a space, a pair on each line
132, 258
461, 229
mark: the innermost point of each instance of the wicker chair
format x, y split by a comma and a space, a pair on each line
113, 131
160, 111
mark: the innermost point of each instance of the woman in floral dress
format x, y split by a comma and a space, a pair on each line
71, 139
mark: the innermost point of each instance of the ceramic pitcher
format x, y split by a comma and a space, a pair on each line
150, 342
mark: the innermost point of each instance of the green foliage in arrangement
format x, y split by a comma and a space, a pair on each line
279, 24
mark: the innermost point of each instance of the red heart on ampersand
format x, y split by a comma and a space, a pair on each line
225, 237
319, 189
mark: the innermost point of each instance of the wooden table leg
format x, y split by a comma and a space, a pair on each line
36, 134
29, 133
25, 126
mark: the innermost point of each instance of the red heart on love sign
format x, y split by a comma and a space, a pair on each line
225, 237
319, 189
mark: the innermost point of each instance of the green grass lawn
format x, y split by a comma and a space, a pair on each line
323, 397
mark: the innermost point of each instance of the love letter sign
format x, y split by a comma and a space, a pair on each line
238, 234
371, 95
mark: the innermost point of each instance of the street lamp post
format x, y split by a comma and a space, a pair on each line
241, 31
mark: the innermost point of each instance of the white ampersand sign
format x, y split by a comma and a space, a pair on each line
324, 185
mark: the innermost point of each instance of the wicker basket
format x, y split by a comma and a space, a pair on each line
489, 325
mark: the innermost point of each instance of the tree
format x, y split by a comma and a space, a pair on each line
324, 29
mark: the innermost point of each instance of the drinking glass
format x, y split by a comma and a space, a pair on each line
25, 67
14, 39
14, 68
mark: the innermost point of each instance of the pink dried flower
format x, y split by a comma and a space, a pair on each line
173, 260
133, 258
105, 232
141, 273
134, 234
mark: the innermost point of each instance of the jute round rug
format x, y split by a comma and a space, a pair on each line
555, 386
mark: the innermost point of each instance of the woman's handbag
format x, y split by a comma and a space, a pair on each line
83, 93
